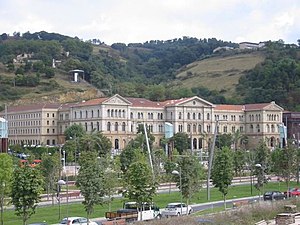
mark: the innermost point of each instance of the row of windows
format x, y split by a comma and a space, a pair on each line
64, 116
257, 117
85, 114
25, 116
193, 116
272, 117
24, 131
28, 142
232, 117
25, 123
48, 115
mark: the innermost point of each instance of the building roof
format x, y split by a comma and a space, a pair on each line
35, 107
95, 101
230, 107
143, 102
257, 106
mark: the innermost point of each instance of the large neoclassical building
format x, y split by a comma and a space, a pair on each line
118, 118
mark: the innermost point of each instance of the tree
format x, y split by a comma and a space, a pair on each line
284, 162
74, 131
192, 174
49, 72
222, 171
6, 171
50, 167
239, 161
262, 158
90, 181
181, 142
111, 177
27, 186
139, 182
95, 141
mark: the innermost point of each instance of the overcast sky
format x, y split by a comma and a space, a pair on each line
131, 21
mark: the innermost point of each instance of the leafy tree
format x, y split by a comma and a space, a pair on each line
128, 156
49, 72
239, 161
6, 171
222, 171
27, 187
192, 174
90, 181
224, 140
75, 130
50, 167
284, 162
262, 158
181, 142
95, 141
111, 177
139, 182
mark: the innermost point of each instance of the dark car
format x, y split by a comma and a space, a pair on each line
274, 195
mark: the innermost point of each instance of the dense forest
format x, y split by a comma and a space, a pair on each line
143, 69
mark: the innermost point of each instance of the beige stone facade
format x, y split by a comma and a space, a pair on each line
118, 118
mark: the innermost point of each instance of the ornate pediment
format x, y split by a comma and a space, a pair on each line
273, 107
195, 102
117, 100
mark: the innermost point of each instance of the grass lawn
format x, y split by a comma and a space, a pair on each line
50, 214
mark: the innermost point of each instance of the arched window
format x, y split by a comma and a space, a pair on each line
131, 115
108, 113
112, 113
123, 126
108, 126
92, 113
188, 128
194, 128
180, 115
208, 116
123, 113
116, 126
120, 113
194, 116
199, 128
199, 116
188, 116
98, 112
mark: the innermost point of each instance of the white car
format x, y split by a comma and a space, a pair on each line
176, 209
76, 221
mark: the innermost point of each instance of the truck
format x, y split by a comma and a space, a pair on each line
131, 211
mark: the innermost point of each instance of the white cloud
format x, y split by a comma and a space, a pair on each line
142, 20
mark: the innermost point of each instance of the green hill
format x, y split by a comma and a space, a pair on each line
219, 73
156, 70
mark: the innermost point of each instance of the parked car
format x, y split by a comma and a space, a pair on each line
274, 195
176, 209
292, 192
77, 221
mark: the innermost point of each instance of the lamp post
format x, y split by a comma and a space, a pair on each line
59, 184
175, 172
259, 166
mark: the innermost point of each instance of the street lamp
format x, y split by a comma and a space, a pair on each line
175, 172
259, 166
59, 184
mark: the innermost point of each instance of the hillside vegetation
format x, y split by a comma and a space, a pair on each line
157, 70
219, 73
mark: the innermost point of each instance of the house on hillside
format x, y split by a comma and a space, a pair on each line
250, 45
